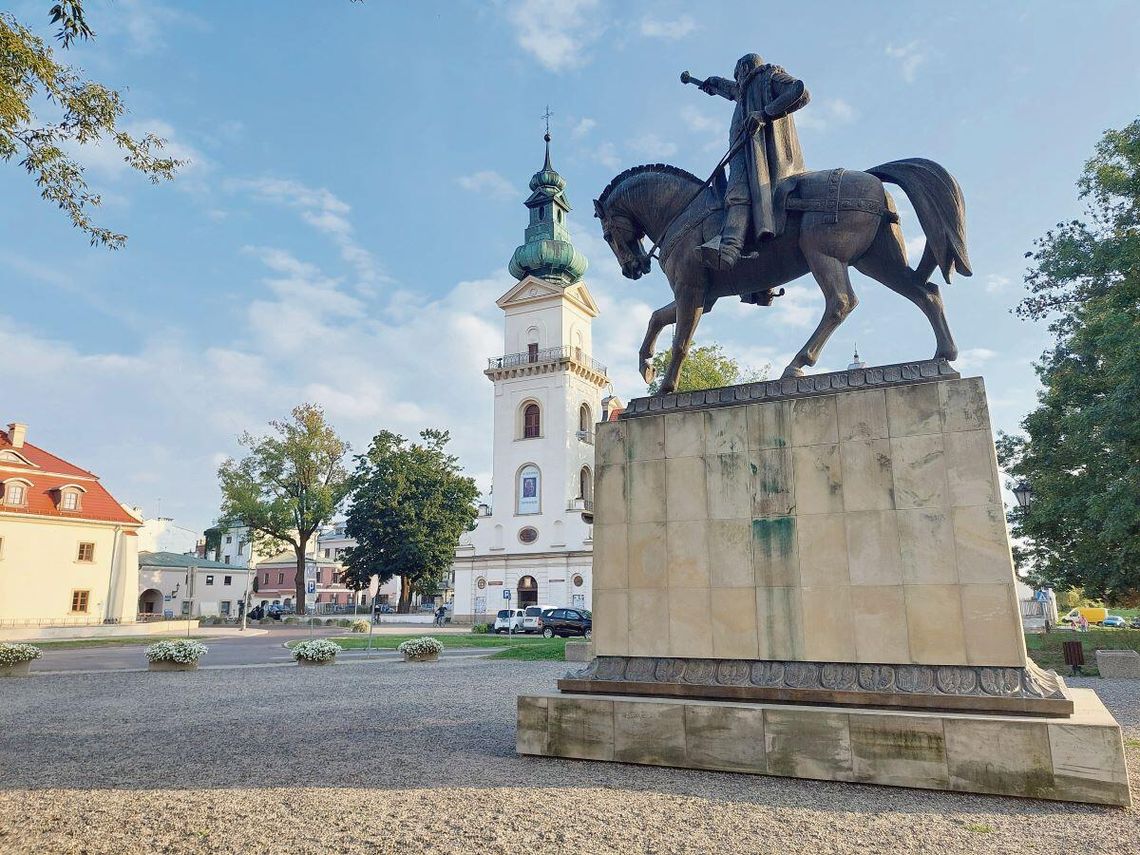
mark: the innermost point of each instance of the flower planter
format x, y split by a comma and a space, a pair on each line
317, 661
20, 669
423, 657
166, 665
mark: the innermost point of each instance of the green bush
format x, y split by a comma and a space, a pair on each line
291, 620
360, 626
330, 622
481, 628
344, 622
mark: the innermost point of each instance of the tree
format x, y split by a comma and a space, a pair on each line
705, 368
213, 536
410, 504
86, 113
288, 486
1081, 448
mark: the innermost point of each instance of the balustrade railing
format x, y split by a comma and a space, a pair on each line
549, 354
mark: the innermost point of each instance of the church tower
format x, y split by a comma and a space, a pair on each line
532, 540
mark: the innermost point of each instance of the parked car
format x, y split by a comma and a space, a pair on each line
566, 622
509, 620
1115, 621
532, 620
1135, 622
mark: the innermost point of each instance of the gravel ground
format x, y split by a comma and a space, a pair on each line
420, 758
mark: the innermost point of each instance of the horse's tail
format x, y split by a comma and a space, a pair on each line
941, 210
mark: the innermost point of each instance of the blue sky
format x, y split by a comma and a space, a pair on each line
356, 185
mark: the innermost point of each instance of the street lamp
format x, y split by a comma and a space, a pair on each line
1023, 492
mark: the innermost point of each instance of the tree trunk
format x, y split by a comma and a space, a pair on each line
403, 606
300, 577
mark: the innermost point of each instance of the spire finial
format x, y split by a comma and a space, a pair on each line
546, 164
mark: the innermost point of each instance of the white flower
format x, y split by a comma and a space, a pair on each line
316, 650
424, 646
18, 654
183, 650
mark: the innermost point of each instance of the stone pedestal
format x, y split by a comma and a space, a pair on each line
836, 540
579, 651
1119, 664
1075, 758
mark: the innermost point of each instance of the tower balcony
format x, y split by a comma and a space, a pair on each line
536, 361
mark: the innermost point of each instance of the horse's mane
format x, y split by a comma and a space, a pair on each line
657, 168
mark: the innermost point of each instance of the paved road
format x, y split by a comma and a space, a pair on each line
261, 649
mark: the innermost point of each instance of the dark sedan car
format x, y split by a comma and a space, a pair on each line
567, 622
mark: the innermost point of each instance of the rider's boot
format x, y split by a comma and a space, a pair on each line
723, 251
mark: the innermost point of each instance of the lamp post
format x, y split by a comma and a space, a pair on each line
1023, 492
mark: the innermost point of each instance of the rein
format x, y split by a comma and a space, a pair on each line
733, 149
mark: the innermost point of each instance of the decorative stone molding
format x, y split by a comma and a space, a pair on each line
795, 387
1001, 689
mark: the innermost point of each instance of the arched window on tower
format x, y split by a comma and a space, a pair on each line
584, 423
585, 484
532, 421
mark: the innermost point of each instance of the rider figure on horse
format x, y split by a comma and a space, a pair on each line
765, 96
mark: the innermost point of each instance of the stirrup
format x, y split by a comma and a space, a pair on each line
716, 255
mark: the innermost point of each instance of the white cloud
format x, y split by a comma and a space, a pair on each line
107, 161
915, 246
825, 113
800, 306
583, 127
973, 358
995, 283
144, 23
489, 183
909, 57
322, 210
652, 146
555, 32
669, 30
700, 122
606, 154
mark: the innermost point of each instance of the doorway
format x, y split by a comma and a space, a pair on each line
528, 592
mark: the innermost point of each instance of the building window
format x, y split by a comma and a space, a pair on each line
328, 553
86, 552
528, 534
266, 578
585, 484
228, 580
578, 581
14, 493
529, 490
226, 559
224, 607
241, 546
1, 547
209, 580
584, 422
532, 421
229, 538
280, 578
532, 352
79, 601
185, 607
69, 501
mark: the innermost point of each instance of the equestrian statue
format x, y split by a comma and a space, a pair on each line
771, 221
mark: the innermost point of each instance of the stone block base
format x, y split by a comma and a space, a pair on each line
579, 651
1121, 664
1078, 758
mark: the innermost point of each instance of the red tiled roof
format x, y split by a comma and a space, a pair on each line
47, 473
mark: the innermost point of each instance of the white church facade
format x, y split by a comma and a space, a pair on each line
532, 541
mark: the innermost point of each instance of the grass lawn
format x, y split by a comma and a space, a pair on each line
72, 643
529, 647
1046, 651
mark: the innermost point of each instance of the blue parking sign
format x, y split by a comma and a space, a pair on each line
310, 587
507, 594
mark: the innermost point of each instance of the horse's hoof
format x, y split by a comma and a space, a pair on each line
648, 372
948, 355
792, 371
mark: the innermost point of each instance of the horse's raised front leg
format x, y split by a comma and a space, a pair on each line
688, 310
657, 321
831, 276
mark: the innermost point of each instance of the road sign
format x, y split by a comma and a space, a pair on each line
507, 594
311, 586
168, 613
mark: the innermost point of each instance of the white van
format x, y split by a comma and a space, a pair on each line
509, 620
532, 620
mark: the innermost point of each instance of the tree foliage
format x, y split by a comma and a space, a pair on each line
410, 504
289, 484
706, 367
82, 113
1081, 447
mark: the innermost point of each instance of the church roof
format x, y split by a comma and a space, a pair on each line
548, 252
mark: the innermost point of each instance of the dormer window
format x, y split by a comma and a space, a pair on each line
10, 456
16, 492
69, 497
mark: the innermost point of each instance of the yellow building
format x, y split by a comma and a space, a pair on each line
68, 549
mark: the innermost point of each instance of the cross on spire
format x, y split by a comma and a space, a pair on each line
547, 116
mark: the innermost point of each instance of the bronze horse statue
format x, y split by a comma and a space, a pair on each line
834, 220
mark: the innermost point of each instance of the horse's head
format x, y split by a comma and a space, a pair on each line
624, 237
